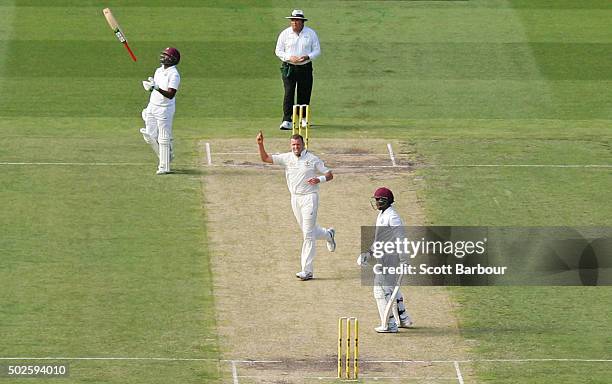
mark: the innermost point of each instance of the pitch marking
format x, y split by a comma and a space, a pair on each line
459, 375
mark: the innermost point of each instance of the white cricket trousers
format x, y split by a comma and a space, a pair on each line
305, 210
158, 125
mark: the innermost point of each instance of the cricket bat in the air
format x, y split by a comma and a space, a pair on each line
112, 22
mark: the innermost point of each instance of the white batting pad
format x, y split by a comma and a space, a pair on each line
381, 301
164, 157
164, 140
150, 140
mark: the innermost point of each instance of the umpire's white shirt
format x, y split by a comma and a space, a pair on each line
298, 170
305, 43
165, 78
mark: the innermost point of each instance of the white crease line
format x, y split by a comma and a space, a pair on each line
254, 361
538, 360
459, 375
316, 152
338, 167
74, 163
391, 155
364, 377
373, 166
246, 361
521, 165
443, 166
234, 372
602, 166
488, 361
208, 154
109, 358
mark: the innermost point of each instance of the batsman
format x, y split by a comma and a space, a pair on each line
389, 299
159, 113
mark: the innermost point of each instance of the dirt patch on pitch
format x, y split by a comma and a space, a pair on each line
265, 314
357, 156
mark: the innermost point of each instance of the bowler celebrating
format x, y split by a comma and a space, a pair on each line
301, 170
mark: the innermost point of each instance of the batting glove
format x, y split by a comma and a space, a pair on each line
147, 85
363, 259
155, 86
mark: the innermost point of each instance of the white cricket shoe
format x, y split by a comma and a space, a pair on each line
304, 123
286, 126
304, 275
331, 243
407, 323
387, 329
160, 172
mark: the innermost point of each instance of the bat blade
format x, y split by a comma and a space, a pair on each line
110, 19
114, 25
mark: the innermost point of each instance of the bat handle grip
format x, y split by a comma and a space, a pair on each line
129, 51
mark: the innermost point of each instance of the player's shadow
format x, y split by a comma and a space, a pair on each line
325, 278
429, 331
188, 171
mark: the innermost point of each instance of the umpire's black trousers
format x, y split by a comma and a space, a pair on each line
300, 77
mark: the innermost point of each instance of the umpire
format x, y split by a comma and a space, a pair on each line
296, 46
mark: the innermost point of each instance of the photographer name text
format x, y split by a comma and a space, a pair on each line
447, 269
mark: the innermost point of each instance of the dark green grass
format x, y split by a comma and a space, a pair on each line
105, 262
538, 323
410, 69
528, 320
521, 196
544, 372
109, 261
136, 371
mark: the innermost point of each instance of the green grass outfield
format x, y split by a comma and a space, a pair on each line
111, 261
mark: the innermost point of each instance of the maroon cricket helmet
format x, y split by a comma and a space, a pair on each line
382, 199
384, 192
170, 56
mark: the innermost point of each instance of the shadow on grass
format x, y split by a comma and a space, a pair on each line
188, 171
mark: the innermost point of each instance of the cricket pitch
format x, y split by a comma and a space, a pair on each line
275, 328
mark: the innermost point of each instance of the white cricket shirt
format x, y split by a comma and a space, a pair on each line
389, 218
298, 170
390, 228
305, 43
165, 78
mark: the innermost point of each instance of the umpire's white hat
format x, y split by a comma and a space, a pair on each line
297, 14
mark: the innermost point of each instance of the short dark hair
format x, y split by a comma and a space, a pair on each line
297, 136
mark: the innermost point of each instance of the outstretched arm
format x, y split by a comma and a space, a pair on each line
262, 151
